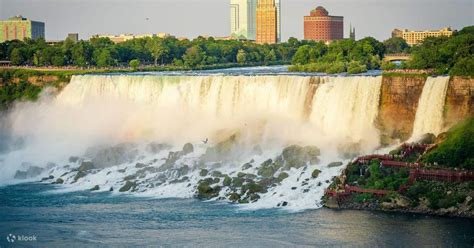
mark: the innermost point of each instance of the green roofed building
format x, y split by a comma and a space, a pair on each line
20, 28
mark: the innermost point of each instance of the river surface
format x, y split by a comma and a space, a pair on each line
82, 219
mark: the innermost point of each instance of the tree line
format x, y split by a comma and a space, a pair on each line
452, 55
102, 52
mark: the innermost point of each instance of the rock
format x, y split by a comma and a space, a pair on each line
79, 175
183, 170
252, 188
315, 173
203, 172
73, 159
282, 176
294, 188
47, 178
297, 156
155, 148
388, 205
205, 191
128, 186
59, 181
170, 161
237, 182
250, 176
111, 189
217, 174
181, 180
335, 164
234, 197
140, 165
95, 188
244, 201
227, 181
246, 166
116, 155
188, 148
254, 197
130, 177
86, 166
268, 168
284, 204
441, 138
241, 174
427, 139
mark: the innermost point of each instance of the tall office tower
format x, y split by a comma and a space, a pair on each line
278, 6
243, 19
267, 22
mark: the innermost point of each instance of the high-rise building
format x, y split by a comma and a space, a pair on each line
320, 26
278, 6
20, 28
267, 22
417, 37
243, 23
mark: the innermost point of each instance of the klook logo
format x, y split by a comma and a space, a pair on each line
11, 238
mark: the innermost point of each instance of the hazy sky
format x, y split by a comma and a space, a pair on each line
191, 18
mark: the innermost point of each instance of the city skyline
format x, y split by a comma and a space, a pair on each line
370, 17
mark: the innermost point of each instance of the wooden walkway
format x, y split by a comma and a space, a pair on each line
416, 173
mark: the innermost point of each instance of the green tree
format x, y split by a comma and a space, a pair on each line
104, 57
158, 50
194, 56
302, 55
396, 45
81, 54
134, 63
16, 57
241, 56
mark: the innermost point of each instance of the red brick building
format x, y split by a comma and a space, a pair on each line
320, 26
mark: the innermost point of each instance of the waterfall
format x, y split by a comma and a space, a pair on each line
429, 115
264, 114
346, 108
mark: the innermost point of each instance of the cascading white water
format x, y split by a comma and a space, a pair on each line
268, 112
346, 108
429, 115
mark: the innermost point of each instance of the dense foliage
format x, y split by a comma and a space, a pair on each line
374, 176
339, 56
440, 194
458, 148
102, 52
453, 55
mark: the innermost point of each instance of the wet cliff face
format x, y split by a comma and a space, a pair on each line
398, 104
459, 100
400, 98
